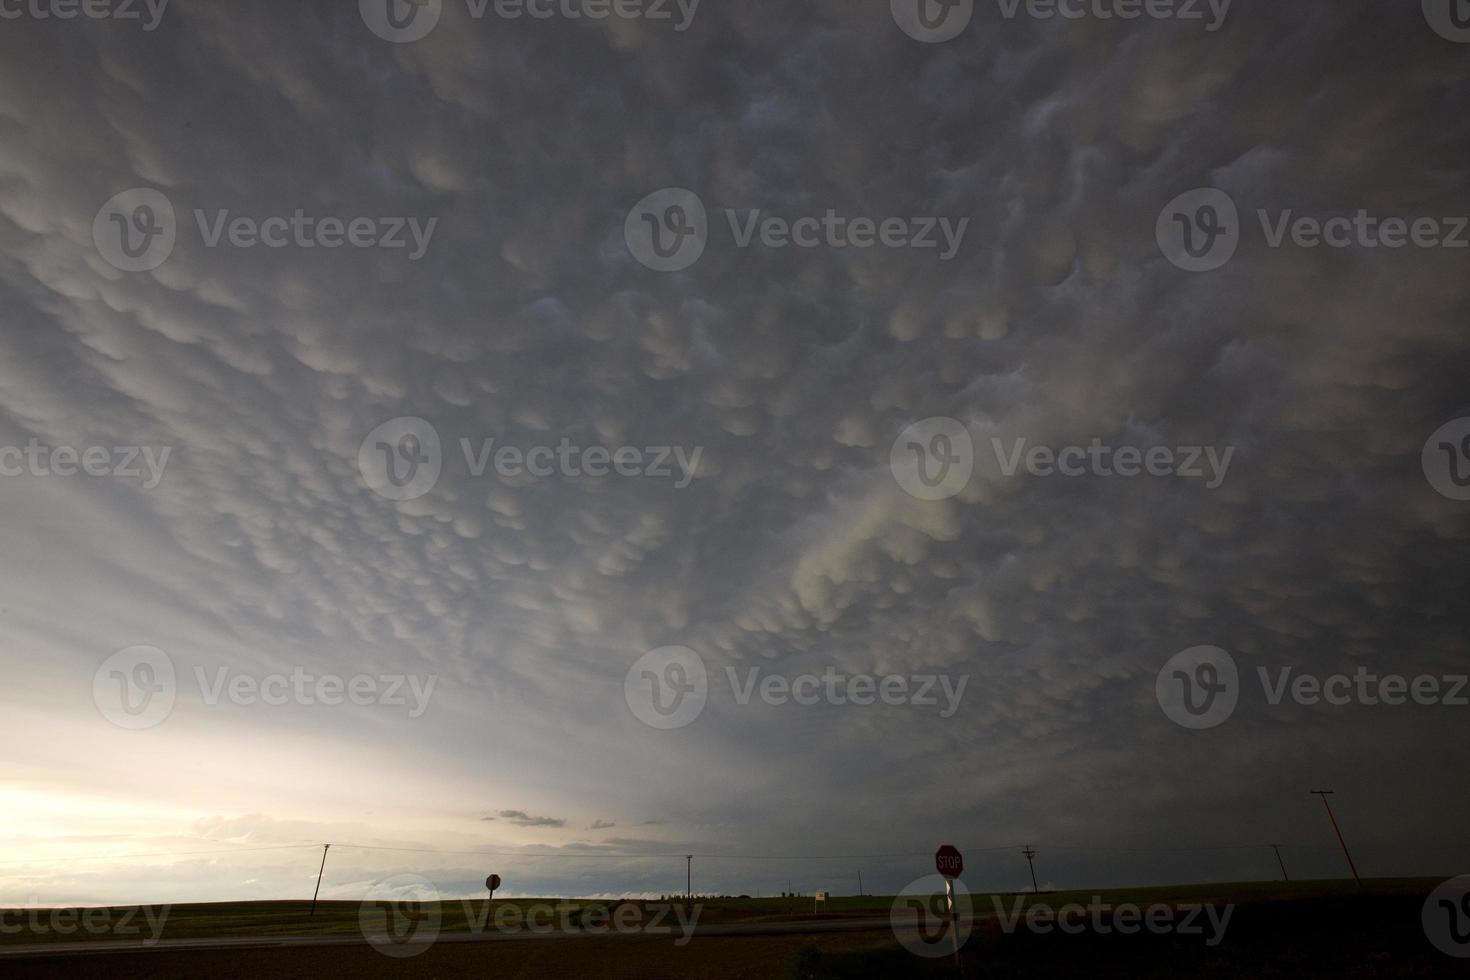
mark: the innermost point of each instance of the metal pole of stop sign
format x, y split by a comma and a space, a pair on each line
954, 919
492, 883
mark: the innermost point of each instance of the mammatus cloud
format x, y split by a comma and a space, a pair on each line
526, 320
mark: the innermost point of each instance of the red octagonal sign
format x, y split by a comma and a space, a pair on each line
948, 861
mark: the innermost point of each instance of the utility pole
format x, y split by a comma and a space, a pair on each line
1030, 853
688, 879
1324, 793
1284, 875
325, 849
860, 882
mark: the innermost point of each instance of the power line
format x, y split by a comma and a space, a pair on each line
603, 855
119, 857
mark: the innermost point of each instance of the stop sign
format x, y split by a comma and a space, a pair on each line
948, 861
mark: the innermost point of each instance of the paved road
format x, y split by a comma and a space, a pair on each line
83, 948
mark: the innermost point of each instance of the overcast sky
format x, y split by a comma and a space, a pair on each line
782, 537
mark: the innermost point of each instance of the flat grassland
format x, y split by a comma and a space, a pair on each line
1277, 929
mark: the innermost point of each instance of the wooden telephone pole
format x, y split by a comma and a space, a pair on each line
325, 849
1324, 793
1277, 849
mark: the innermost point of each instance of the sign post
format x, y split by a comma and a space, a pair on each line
951, 864
492, 883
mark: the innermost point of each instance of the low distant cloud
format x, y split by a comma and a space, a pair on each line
523, 819
602, 825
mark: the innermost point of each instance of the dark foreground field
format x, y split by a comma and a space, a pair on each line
1315, 929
